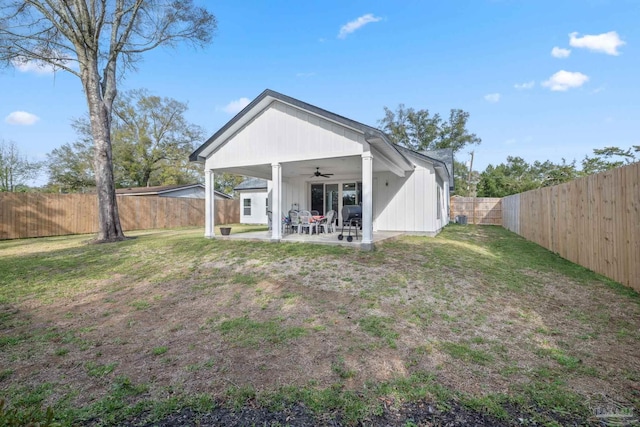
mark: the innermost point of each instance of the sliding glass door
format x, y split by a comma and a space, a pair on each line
331, 198
326, 197
317, 198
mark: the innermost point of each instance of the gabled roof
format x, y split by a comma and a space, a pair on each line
252, 184
372, 135
162, 189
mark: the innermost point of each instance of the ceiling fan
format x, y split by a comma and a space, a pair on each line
317, 173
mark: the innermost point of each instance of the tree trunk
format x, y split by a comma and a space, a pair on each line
109, 228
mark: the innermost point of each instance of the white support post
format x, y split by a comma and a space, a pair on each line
276, 202
367, 201
209, 204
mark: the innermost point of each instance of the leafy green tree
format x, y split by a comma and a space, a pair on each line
515, 176
152, 141
548, 173
97, 41
464, 186
15, 168
421, 131
70, 166
608, 158
226, 182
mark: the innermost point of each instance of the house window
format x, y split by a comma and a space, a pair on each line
266, 204
247, 207
439, 207
351, 193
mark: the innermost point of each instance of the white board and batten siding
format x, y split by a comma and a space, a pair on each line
253, 207
399, 204
442, 198
295, 192
282, 133
409, 203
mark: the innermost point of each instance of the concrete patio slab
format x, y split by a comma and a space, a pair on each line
318, 239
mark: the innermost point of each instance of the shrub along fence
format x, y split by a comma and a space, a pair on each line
593, 221
42, 214
478, 210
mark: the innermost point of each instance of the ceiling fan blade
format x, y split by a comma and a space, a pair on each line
317, 173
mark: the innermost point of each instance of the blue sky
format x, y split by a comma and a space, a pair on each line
540, 79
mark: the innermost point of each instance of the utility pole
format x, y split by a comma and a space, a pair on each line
469, 177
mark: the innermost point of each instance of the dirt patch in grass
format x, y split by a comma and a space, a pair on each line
189, 316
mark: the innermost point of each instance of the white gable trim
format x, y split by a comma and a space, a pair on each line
252, 115
266, 100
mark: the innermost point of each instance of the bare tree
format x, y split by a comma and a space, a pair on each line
15, 168
97, 40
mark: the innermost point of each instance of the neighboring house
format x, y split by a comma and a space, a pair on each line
286, 141
192, 191
254, 201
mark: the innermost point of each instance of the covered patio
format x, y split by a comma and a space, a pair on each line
315, 160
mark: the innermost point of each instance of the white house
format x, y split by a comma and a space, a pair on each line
254, 201
191, 191
317, 160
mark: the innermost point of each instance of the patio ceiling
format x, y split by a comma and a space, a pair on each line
339, 166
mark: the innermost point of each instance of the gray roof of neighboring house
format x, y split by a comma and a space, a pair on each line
252, 184
366, 129
161, 189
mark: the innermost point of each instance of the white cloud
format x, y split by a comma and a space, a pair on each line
21, 118
565, 80
510, 141
25, 65
33, 67
356, 24
558, 52
524, 86
492, 97
604, 43
236, 106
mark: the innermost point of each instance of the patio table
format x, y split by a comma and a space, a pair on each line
317, 219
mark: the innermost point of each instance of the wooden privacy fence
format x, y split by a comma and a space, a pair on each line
42, 214
479, 210
593, 221
227, 212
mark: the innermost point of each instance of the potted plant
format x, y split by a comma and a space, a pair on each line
225, 231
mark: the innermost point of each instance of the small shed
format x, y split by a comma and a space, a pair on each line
254, 201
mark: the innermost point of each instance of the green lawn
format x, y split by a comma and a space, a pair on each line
477, 316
